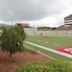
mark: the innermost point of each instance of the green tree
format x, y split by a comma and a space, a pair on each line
12, 40
20, 31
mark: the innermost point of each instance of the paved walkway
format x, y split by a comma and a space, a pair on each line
49, 49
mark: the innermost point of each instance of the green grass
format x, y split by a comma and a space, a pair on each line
52, 42
54, 55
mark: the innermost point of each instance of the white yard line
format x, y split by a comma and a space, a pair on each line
46, 42
39, 40
49, 49
42, 41
43, 53
56, 44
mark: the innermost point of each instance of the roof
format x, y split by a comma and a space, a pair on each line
68, 17
23, 24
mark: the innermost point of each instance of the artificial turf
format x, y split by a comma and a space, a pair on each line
51, 54
52, 42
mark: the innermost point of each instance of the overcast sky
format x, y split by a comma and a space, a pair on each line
36, 12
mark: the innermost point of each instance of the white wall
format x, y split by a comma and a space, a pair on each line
35, 32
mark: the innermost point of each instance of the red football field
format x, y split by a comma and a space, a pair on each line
67, 50
9, 65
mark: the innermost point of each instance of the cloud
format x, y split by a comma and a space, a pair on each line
47, 21
35, 10
25, 9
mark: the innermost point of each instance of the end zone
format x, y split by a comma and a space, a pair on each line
65, 50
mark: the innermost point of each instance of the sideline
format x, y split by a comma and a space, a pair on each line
43, 53
49, 49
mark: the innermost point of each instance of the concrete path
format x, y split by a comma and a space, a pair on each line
49, 49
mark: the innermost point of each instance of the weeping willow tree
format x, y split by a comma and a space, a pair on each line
12, 40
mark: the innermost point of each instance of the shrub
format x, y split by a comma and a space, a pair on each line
45, 67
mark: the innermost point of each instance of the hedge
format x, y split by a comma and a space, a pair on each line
45, 67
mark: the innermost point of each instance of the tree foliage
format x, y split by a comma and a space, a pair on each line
11, 39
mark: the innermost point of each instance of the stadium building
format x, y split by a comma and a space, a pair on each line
24, 24
68, 21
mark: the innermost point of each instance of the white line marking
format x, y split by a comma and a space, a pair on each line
49, 49
43, 42
56, 44
39, 40
46, 42
43, 53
